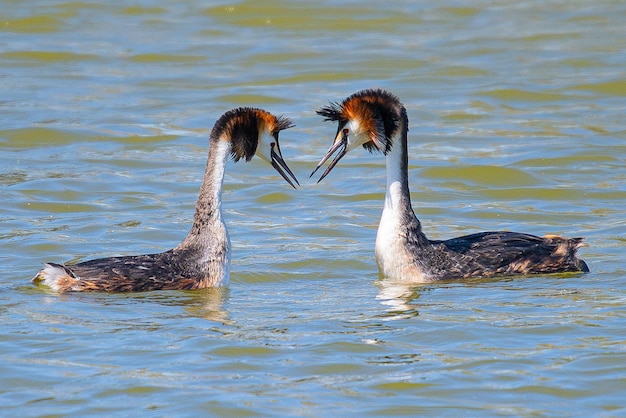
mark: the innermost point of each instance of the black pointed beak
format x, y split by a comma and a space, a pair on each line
339, 144
281, 166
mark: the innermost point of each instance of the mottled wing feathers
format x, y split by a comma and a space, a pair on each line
488, 254
162, 271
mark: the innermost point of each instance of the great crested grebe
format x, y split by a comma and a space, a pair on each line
377, 120
202, 259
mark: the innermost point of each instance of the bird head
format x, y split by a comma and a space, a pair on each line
368, 118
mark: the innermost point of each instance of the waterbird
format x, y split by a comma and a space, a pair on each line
202, 259
377, 120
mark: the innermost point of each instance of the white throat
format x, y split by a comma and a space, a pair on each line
392, 255
395, 176
392, 209
223, 152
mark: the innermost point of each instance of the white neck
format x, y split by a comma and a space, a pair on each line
208, 238
397, 184
208, 226
215, 175
397, 199
392, 252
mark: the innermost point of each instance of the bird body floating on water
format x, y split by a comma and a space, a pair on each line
377, 120
202, 259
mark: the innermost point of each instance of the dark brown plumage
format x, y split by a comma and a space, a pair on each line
202, 259
377, 120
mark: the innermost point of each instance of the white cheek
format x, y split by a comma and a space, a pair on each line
354, 125
263, 148
356, 137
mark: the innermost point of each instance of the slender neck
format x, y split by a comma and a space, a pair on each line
209, 204
398, 211
398, 197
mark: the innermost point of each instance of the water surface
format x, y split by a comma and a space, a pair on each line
516, 122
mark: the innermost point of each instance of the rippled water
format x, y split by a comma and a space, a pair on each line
516, 122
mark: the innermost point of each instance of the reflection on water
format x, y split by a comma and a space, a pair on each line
398, 298
516, 113
209, 304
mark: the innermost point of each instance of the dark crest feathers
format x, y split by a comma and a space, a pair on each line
283, 122
332, 112
387, 112
242, 125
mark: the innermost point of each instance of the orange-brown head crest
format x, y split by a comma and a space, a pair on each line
376, 111
242, 126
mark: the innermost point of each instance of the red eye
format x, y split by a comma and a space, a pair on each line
345, 131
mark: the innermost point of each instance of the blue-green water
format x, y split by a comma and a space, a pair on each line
516, 122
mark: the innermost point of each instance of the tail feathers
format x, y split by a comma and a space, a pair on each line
56, 276
567, 247
576, 244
